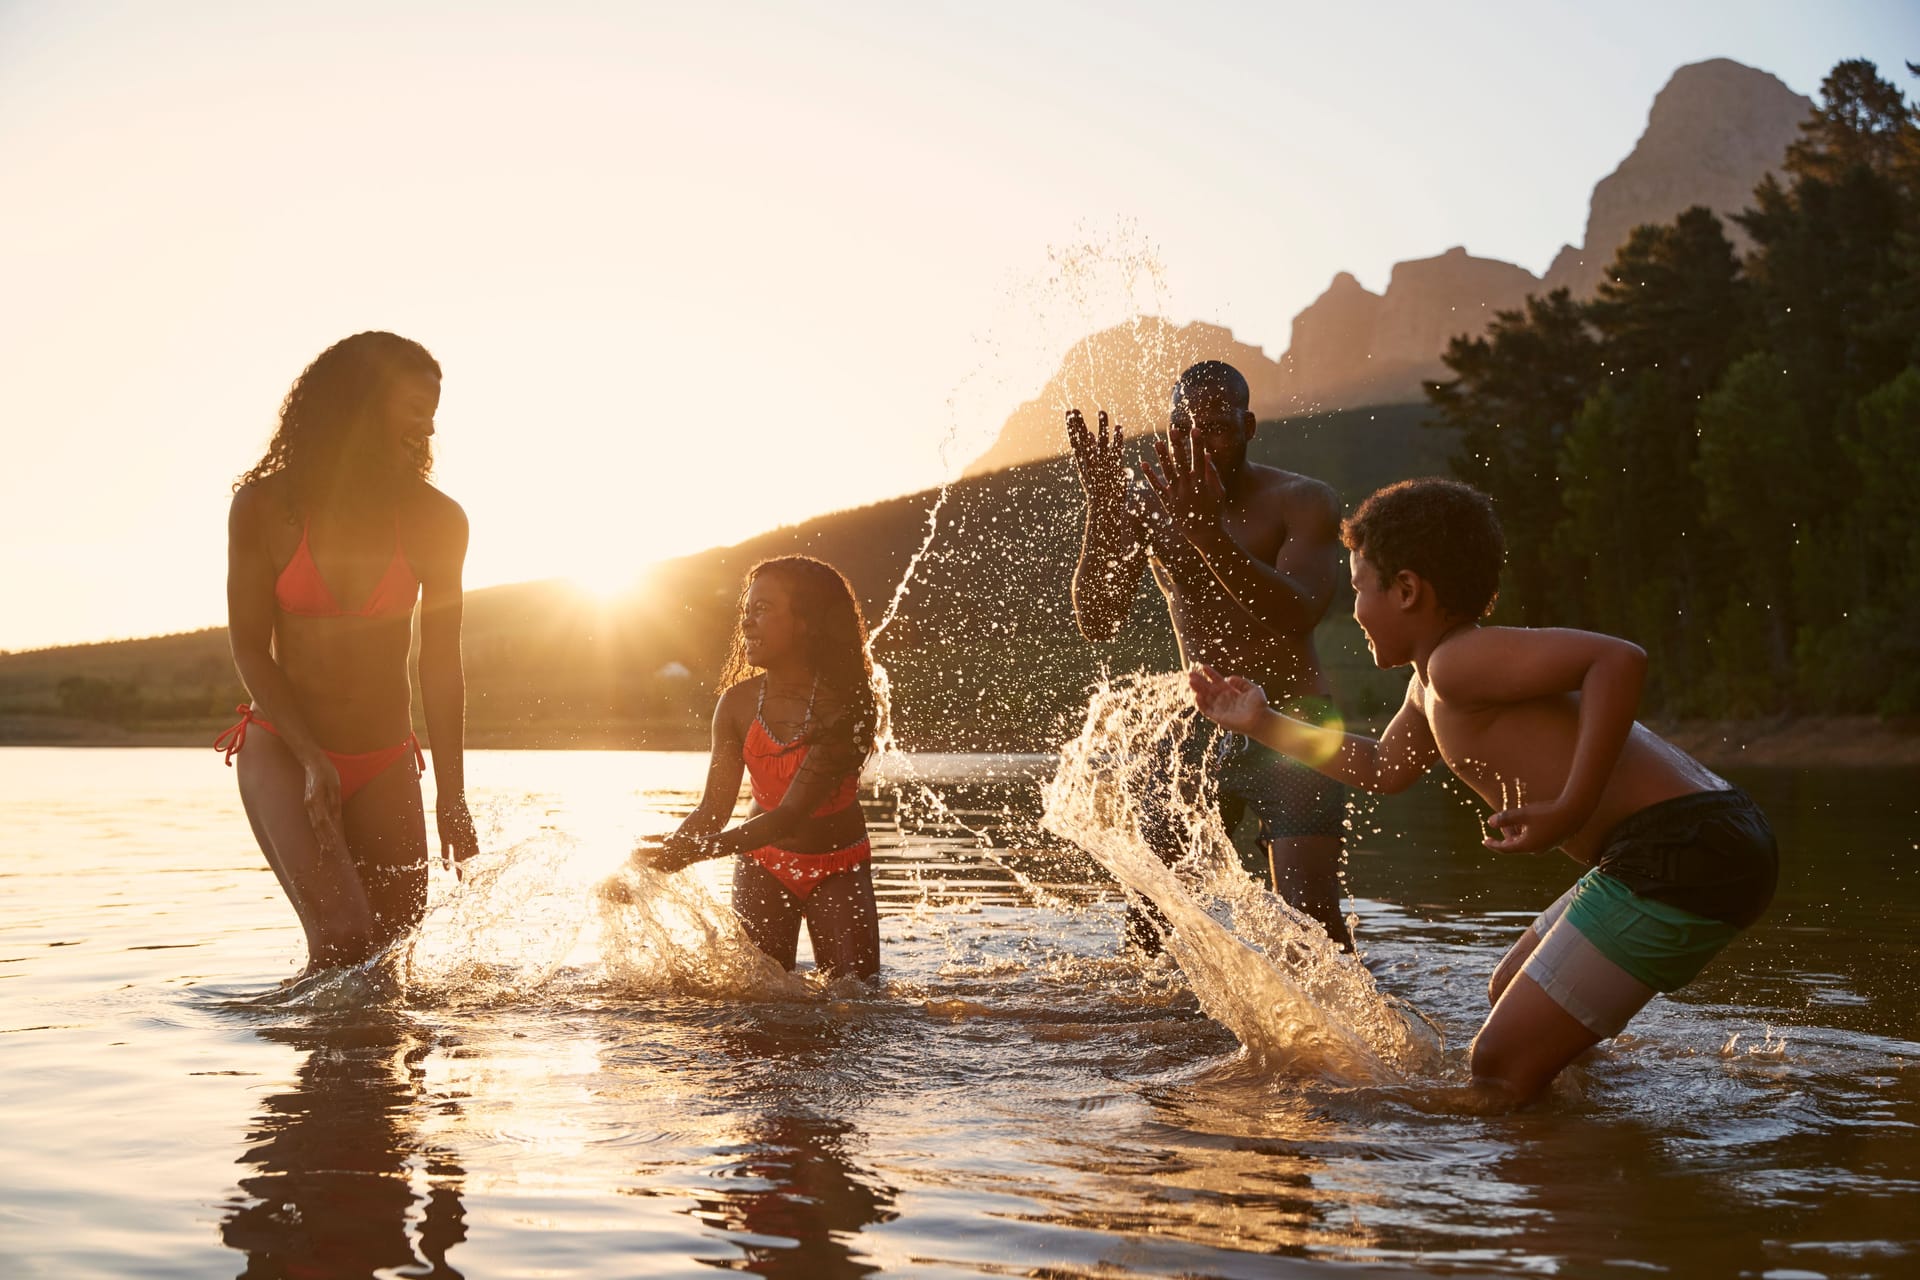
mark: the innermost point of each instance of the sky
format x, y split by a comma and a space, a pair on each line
693, 272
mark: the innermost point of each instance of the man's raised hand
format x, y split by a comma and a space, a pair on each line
1187, 486
1103, 476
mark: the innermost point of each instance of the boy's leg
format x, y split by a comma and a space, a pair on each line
1526, 1041
1516, 958
844, 923
1566, 998
769, 914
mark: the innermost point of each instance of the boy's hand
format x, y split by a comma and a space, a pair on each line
1531, 828
1103, 477
1187, 487
1232, 702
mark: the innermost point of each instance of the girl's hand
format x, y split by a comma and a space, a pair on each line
675, 852
1232, 702
1530, 828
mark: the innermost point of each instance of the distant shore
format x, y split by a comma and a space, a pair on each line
1802, 742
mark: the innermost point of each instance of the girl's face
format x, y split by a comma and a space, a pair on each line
768, 625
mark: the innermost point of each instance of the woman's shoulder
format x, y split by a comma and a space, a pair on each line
259, 503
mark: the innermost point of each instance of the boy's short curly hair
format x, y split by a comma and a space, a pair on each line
1443, 530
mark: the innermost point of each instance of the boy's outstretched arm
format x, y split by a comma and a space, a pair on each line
1496, 665
1390, 763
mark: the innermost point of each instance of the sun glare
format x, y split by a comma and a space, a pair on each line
611, 582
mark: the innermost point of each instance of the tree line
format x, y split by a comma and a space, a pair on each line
1717, 456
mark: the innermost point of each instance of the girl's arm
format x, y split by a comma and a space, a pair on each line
725, 768
1389, 764
1493, 666
443, 680
250, 607
826, 767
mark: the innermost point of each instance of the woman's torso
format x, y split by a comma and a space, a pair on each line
344, 592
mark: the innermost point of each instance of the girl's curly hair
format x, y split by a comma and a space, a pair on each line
833, 638
324, 442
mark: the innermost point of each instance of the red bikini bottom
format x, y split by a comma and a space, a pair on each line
800, 872
356, 769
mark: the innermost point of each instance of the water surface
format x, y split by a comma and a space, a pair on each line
1015, 1099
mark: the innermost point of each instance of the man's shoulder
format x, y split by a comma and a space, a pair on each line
1292, 492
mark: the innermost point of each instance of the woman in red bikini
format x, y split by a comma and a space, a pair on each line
799, 716
329, 541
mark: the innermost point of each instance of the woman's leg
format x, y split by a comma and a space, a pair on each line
387, 835
326, 894
844, 922
770, 915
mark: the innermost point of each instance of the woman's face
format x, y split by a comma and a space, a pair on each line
768, 625
405, 410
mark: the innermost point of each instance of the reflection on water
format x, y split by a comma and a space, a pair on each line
340, 1181
1015, 1098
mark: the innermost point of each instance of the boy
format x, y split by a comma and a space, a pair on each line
1541, 724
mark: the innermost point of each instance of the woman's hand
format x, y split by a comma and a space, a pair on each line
457, 839
322, 800
1232, 702
674, 852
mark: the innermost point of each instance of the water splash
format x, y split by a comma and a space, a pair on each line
1267, 972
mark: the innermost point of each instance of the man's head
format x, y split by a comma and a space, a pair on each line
1210, 402
1426, 556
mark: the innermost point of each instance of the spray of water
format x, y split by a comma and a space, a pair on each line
1264, 970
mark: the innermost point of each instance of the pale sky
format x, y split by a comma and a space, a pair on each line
696, 271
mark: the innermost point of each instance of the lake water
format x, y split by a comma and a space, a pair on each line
1015, 1099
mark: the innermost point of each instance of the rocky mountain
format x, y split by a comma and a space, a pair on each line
1714, 132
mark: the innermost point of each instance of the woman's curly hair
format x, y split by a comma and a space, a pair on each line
833, 637
324, 442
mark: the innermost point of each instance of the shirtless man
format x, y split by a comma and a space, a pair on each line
1247, 557
1540, 722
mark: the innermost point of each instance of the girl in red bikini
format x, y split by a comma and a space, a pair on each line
798, 716
330, 540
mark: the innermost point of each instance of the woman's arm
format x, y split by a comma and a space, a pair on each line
1389, 764
725, 767
443, 680
1496, 666
250, 606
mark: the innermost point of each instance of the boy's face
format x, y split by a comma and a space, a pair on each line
1378, 608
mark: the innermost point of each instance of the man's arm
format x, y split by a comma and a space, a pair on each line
1386, 765
1500, 665
443, 679
1290, 595
1112, 555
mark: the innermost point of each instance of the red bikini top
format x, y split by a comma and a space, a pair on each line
301, 590
773, 764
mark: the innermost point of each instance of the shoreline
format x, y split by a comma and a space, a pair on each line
1800, 742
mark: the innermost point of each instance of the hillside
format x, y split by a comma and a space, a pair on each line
983, 654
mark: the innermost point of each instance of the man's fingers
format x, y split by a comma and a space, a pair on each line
1155, 481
